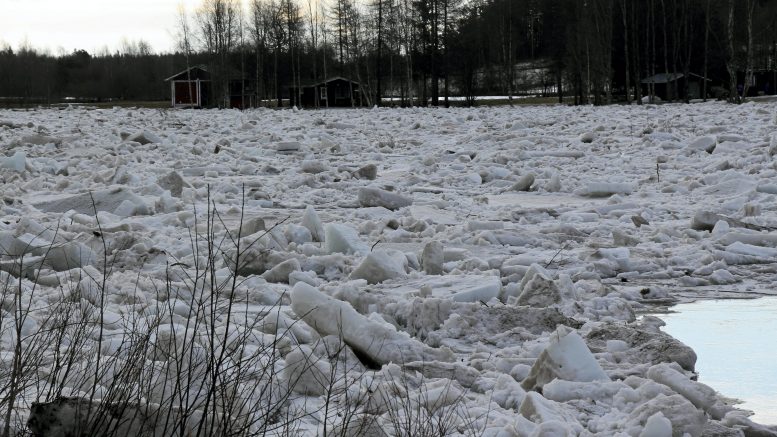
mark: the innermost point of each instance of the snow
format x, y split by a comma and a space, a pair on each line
524, 183
371, 196
702, 396
657, 426
567, 358
381, 265
378, 340
312, 222
306, 373
489, 262
144, 137
706, 144
17, 162
282, 271
341, 238
288, 146
604, 189
433, 257
538, 289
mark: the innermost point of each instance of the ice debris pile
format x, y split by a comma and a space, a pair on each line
486, 269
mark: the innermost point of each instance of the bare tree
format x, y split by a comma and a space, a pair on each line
314, 32
636, 51
670, 88
750, 8
293, 21
185, 45
325, 46
259, 27
271, 13
730, 62
624, 12
379, 52
219, 26
706, 47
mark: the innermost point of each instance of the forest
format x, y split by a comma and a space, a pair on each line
431, 52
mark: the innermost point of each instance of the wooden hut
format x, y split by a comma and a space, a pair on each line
335, 92
672, 86
192, 88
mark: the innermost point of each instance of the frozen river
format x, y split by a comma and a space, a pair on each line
736, 347
472, 271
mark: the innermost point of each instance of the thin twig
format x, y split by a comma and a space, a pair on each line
554, 256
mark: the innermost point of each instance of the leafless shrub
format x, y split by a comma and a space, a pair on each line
201, 360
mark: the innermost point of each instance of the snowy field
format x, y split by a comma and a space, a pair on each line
412, 272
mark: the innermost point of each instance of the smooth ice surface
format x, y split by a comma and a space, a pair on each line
736, 349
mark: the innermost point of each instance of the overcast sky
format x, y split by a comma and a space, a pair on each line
89, 24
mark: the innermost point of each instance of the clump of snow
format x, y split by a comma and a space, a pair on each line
174, 183
144, 137
282, 271
553, 418
70, 255
683, 416
341, 238
377, 340
706, 144
307, 373
524, 183
288, 146
313, 166
538, 289
657, 426
433, 257
371, 196
702, 396
311, 221
605, 189
587, 137
369, 172
17, 162
381, 265
567, 357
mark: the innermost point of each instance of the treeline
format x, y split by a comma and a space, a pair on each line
426, 51
28, 76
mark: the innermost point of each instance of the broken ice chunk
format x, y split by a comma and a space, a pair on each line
381, 265
567, 357
343, 239
378, 341
371, 196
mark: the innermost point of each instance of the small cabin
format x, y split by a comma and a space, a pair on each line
335, 92
192, 88
672, 86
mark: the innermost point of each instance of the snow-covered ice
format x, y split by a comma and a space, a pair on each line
487, 268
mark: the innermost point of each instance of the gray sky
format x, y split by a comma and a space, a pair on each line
89, 24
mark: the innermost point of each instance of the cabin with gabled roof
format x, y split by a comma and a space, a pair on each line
335, 92
192, 88
672, 86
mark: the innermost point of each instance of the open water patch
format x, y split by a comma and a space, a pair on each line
736, 344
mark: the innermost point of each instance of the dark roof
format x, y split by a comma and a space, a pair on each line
663, 78
331, 79
183, 74
671, 77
